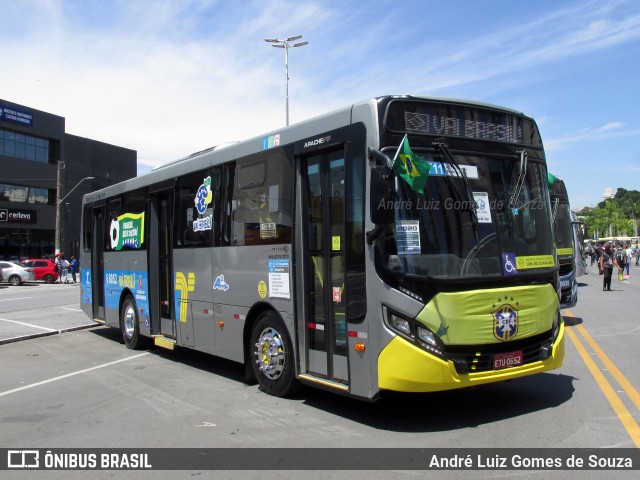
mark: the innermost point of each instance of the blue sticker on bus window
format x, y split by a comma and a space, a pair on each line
509, 263
203, 196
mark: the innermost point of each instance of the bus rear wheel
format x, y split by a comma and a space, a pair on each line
130, 326
272, 356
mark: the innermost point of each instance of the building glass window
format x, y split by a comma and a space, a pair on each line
22, 194
26, 147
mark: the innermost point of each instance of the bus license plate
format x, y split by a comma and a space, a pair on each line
506, 360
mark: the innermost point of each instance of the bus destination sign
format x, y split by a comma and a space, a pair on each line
461, 121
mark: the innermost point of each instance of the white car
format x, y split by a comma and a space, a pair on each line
15, 274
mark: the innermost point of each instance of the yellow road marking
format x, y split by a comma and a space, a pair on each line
629, 423
617, 374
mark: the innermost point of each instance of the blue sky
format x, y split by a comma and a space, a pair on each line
168, 78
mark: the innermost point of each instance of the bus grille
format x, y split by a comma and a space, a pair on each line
479, 358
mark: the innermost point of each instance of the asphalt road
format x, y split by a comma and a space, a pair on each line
83, 388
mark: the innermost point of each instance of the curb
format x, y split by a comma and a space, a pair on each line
47, 334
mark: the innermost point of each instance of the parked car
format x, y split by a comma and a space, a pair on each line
16, 274
43, 269
1, 277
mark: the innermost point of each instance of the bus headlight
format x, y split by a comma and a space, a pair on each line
427, 336
430, 342
417, 334
400, 324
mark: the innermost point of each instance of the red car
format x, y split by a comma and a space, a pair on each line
43, 269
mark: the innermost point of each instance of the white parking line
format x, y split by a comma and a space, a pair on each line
54, 379
14, 298
29, 325
72, 309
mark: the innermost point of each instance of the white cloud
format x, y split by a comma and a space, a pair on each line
169, 78
607, 132
611, 126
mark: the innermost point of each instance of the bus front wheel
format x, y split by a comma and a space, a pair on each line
272, 356
130, 326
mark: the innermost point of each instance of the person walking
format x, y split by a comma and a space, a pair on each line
64, 269
592, 253
599, 250
58, 269
607, 262
629, 253
73, 268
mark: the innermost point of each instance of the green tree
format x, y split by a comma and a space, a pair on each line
616, 216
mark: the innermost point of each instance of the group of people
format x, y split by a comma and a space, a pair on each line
607, 256
65, 267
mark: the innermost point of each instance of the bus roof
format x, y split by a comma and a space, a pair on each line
365, 110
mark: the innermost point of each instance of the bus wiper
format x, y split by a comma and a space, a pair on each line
521, 176
443, 150
556, 202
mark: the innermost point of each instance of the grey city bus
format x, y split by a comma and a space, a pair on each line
305, 256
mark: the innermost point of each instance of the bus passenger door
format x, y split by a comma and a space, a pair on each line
161, 263
324, 262
97, 262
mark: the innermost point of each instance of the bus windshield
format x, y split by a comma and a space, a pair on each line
564, 230
437, 235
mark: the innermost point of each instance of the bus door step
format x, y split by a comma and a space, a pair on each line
164, 342
323, 382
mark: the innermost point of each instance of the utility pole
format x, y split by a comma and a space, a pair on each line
58, 235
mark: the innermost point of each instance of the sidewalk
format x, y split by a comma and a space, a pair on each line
37, 309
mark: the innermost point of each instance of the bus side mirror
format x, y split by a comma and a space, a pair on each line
380, 199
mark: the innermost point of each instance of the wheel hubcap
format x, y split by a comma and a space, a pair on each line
129, 321
269, 353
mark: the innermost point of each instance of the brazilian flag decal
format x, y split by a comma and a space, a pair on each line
412, 168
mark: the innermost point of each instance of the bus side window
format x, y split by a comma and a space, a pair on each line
197, 209
262, 196
226, 192
87, 231
115, 210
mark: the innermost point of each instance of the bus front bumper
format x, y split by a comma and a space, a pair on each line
403, 367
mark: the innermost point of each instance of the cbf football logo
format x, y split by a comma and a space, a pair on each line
505, 322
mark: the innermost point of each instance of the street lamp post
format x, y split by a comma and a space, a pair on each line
278, 43
59, 206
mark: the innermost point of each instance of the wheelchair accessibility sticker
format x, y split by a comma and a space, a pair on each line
509, 263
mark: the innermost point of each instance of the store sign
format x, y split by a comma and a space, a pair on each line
18, 216
16, 116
